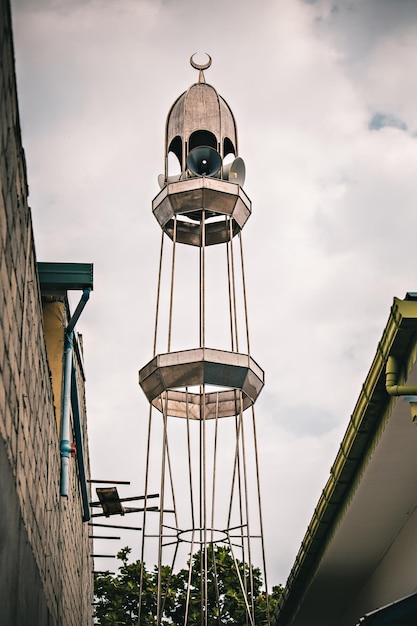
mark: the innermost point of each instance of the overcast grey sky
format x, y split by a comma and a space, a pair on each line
324, 97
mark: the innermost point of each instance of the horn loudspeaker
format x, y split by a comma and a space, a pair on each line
235, 172
162, 181
204, 161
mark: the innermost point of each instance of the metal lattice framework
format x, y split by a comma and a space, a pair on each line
202, 452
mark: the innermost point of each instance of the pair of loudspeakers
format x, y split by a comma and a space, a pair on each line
206, 161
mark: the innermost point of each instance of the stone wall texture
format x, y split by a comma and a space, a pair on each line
45, 550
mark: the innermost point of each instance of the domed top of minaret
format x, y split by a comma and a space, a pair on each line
200, 117
201, 201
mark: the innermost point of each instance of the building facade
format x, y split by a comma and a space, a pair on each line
357, 561
45, 550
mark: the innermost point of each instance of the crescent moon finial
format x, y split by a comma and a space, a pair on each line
200, 66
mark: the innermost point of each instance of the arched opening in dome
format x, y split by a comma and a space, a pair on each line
202, 138
228, 147
175, 156
176, 147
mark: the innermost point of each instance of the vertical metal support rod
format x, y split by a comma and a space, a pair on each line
203, 538
203, 400
174, 245
235, 470
213, 503
239, 427
142, 555
261, 525
169, 578
245, 304
171, 481
162, 506
216, 585
232, 259
239, 438
190, 569
189, 462
202, 280
229, 284
158, 295
249, 613
245, 486
200, 520
213, 494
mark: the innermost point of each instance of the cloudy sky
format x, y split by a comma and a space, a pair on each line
324, 97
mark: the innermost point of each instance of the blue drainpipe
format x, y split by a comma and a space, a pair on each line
65, 444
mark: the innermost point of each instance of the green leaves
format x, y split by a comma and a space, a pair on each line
116, 597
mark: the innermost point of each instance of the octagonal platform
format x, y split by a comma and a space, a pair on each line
172, 378
188, 198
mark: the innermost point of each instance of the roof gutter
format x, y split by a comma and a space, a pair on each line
372, 408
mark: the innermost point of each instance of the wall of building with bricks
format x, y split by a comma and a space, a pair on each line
45, 550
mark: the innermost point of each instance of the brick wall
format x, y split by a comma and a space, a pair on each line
45, 563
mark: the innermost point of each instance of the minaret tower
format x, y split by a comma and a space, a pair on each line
202, 382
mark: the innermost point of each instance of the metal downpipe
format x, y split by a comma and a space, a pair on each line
391, 380
80, 307
65, 444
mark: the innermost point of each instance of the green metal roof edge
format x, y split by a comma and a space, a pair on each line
372, 409
65, 276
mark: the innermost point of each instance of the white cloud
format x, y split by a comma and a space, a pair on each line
331, 237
